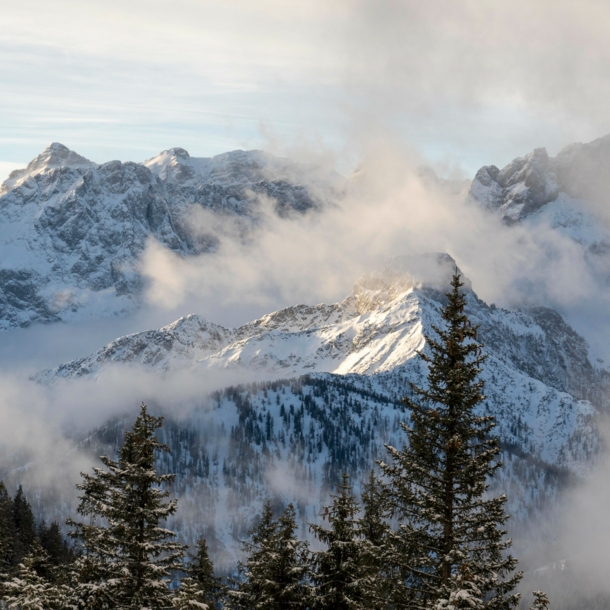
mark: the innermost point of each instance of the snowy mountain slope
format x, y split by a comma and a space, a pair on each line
377, 328
568, 193
537, 371
72, 231
290, 440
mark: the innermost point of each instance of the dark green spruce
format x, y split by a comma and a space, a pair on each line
342, 578
450, 542
200, 586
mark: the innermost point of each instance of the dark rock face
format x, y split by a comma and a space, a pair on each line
528, 183
20, 301
522, 187
80, 226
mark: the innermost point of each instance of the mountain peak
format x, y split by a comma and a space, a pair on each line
529, 183
432, 270
173, 164
54, 156
57, 155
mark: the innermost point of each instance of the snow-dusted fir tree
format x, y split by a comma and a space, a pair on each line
275, 573
29, 589
200, 585
541, 601
127, 554
374, 529
190, 596
452, 550
342, 578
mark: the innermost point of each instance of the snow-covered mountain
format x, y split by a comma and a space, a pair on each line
330, 380
569, 193
537, 370
330, 377
560, 205
72, 231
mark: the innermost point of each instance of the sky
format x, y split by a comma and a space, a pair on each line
463, 83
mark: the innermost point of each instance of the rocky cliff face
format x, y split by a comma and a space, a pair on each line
526, 184
561, 206
72, 231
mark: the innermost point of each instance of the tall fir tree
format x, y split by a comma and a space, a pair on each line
128, 557
25, 525
200, 585
276, 571
342, 578
8, 534
452, 550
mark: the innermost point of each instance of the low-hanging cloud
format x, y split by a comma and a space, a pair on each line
388, 211
43, 427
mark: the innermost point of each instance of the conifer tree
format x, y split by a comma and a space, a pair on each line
127, 554
54, 544
373, 524
275, 572
541, 601
25, 526
376, 533
201, 585
8, 559
201, 570
190, 596
341, 578
453, 546
29, 589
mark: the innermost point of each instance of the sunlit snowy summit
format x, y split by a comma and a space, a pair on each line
537, 370
327, 397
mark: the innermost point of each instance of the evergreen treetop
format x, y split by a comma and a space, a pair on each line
200, 571
377, 548
25, 526
342, 577
276, 570
541, 601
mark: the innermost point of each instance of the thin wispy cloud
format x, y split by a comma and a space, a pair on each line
467, 83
